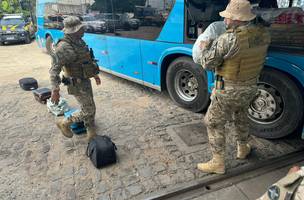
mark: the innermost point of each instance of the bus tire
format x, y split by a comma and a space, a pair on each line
278, 109
49, 44
187, 84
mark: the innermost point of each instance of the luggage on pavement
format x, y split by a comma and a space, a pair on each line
102, 151
28, 84
42, 94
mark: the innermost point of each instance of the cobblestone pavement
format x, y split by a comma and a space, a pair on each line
37, 162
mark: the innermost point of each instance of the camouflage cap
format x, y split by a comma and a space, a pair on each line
72, 24
238, 10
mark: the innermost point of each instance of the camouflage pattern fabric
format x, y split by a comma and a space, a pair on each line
230, 104
222, 48
83, 93
81, 89
64, 55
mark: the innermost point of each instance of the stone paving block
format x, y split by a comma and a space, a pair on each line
134, 190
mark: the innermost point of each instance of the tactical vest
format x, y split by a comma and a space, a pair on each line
83, 66
248, 62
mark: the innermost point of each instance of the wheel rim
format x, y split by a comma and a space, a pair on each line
268, 106
186, 85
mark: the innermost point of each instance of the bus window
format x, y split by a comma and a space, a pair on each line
201, 13
140, 20
55, 12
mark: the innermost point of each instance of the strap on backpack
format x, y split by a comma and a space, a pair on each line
89, 153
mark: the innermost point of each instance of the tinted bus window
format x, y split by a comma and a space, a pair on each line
139, 19
201, 13
55, 12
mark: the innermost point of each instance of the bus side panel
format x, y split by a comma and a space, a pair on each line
152, 62
124, 56
149, 63
173, 30
275, 61
99, 45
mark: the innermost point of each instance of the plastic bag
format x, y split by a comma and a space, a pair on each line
58, 109
212, 32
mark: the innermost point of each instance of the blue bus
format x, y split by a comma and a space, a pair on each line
150, 42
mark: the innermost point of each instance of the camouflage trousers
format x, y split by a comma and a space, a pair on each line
228, 105
83, 93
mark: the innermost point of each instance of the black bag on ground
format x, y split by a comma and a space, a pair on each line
28, 84
42, 94
102, 151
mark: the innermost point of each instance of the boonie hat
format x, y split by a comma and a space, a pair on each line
238, 10
72, 24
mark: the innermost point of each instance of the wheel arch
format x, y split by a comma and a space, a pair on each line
167, 58
291, 70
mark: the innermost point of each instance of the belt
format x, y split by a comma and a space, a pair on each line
241, 83
71, 80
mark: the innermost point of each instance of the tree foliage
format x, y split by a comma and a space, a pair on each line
10, 6
14, 6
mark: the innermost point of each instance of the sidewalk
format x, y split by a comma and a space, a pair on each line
250, 189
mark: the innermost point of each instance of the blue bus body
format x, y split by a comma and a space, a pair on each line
146, 61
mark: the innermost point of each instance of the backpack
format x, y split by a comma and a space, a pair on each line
28, 84
102, 151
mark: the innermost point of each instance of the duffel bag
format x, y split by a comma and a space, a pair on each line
101, 151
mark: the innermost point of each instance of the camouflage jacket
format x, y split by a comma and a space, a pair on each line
64, 54
224, 47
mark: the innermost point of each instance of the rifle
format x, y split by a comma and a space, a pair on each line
93, 56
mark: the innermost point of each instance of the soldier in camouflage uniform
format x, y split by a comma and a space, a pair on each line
237, 58
73, 57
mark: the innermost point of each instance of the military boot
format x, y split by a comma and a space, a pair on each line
216, 165
91, 133
243, 150
64, 126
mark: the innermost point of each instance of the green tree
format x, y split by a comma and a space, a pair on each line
10, 6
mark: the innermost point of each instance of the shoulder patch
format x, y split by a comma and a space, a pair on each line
273, 192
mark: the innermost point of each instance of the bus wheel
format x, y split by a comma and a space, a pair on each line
277, 111
50, 45
187, 84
